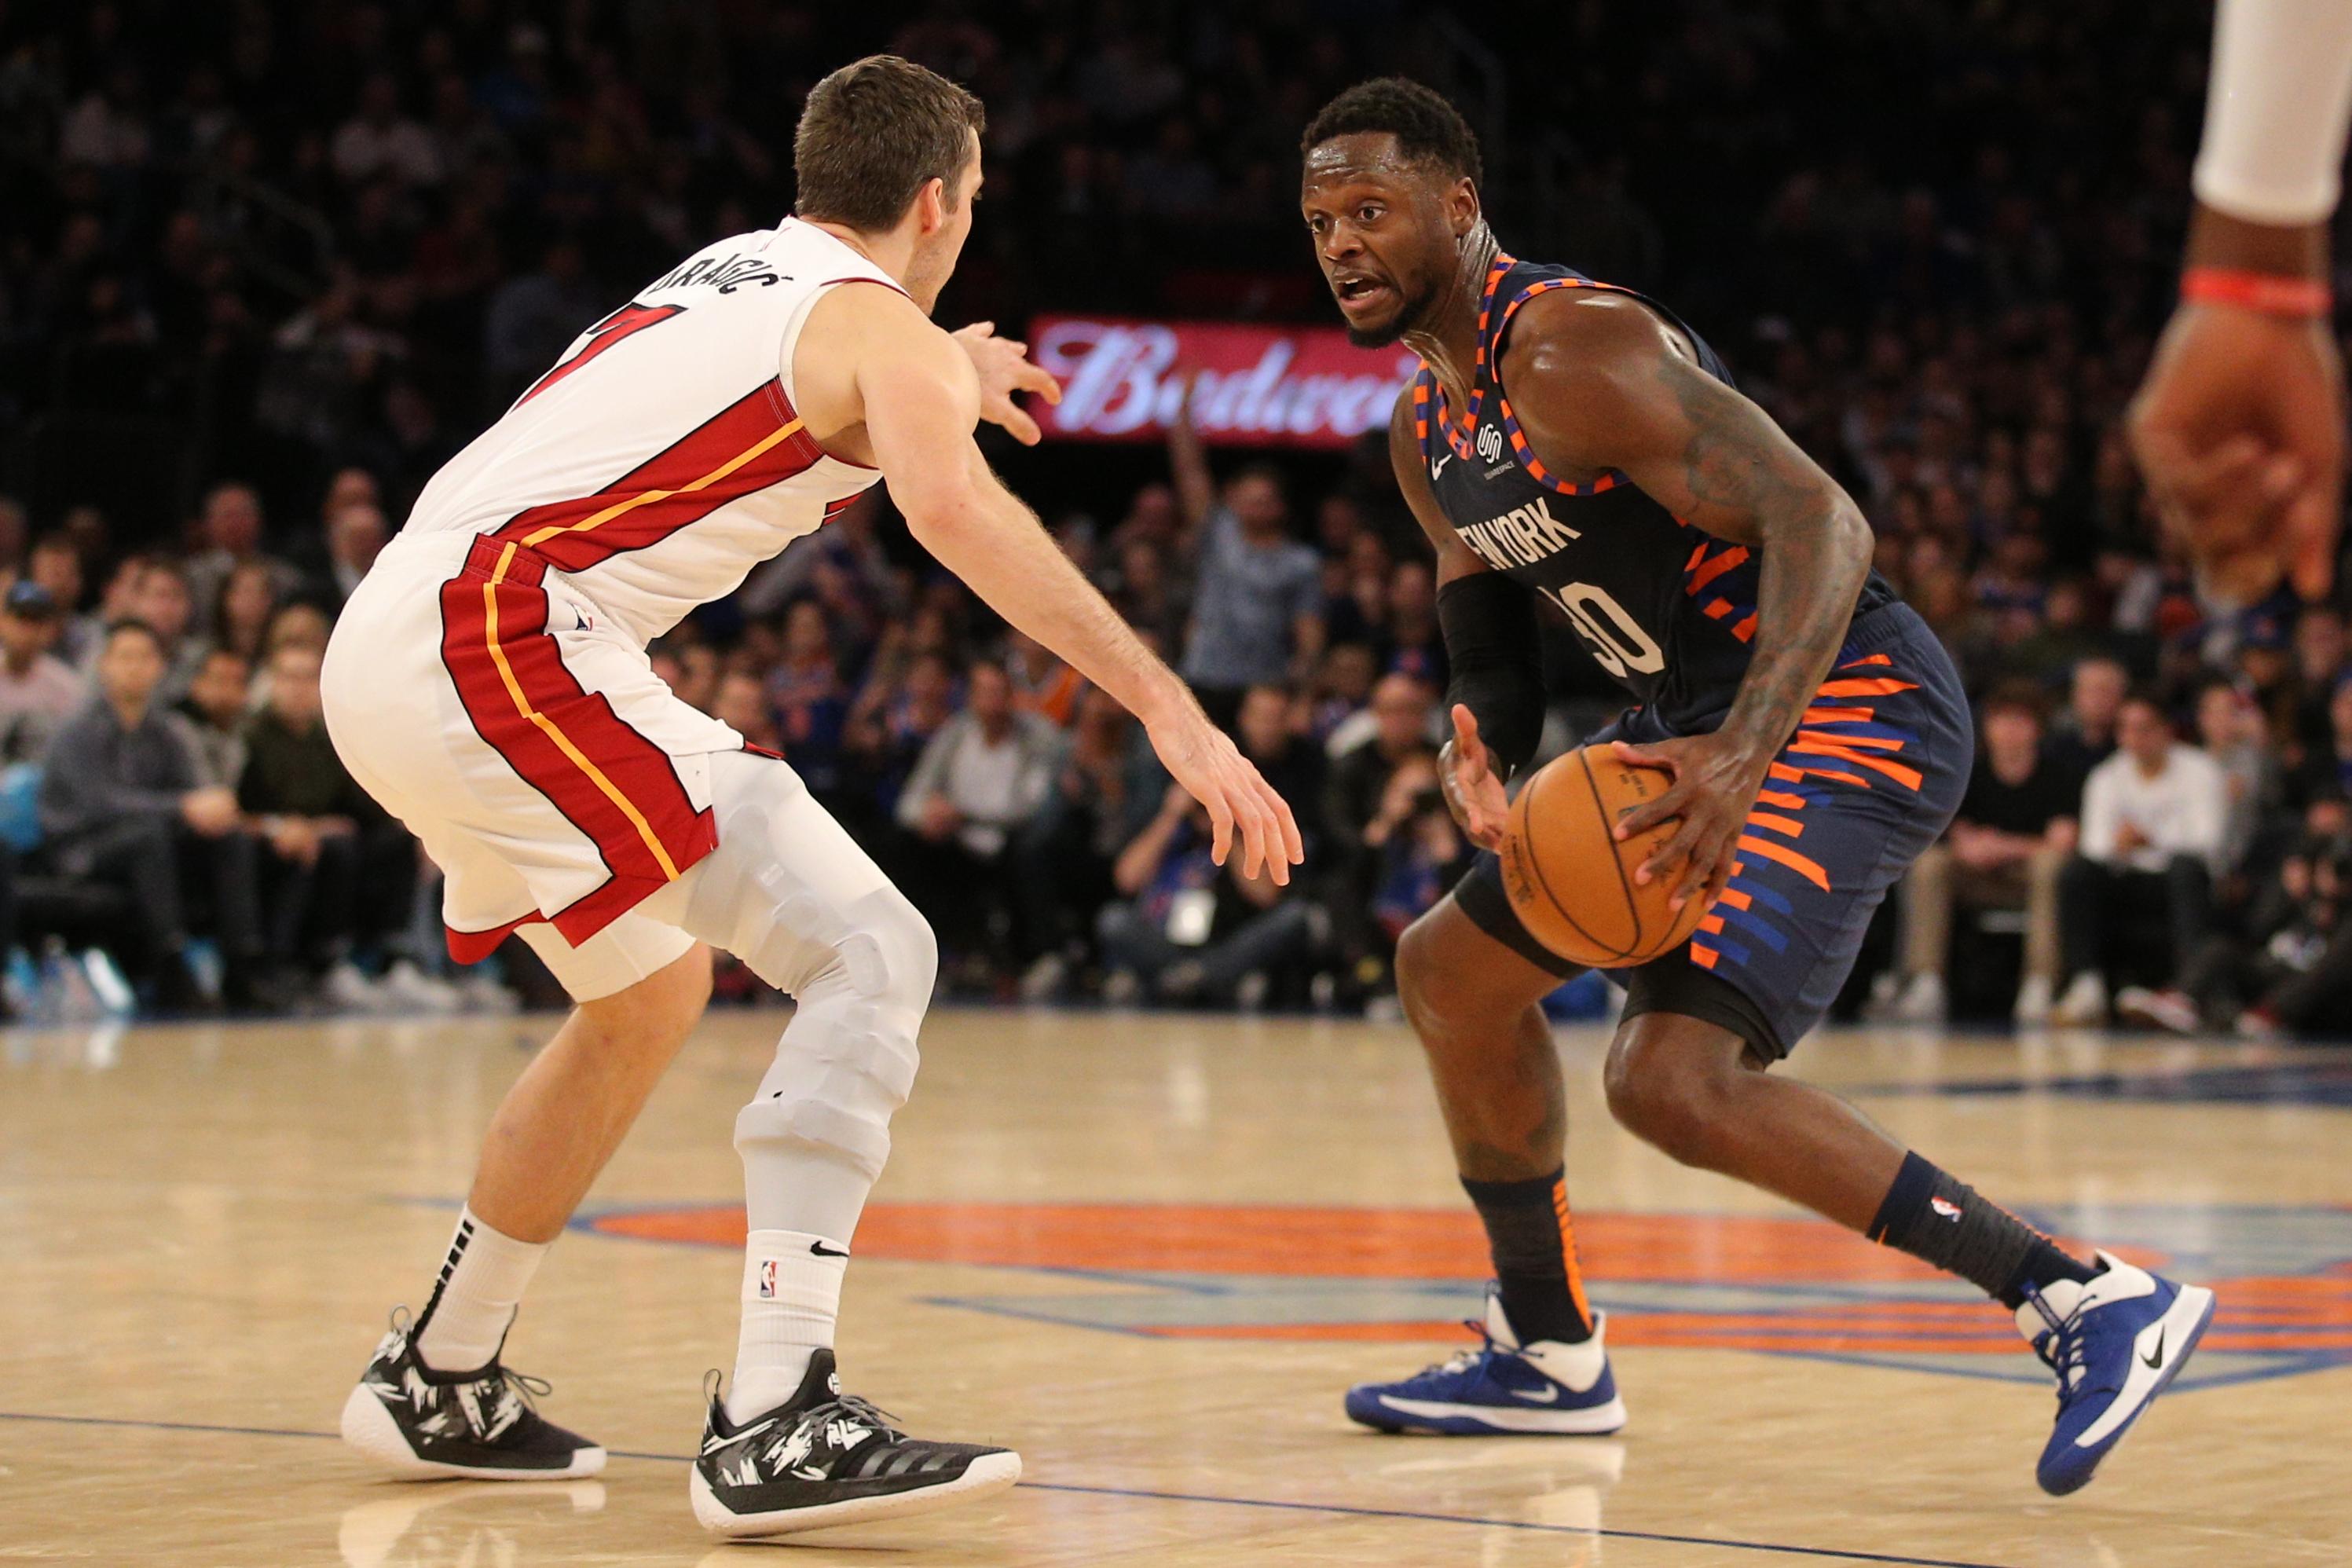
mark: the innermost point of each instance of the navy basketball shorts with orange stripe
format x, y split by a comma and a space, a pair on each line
1871, 779
561, 787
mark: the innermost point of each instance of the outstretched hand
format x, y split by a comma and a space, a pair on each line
1004, 369
1473, 791
1714, 785
1211, 770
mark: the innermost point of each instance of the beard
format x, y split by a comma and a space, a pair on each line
1409, 315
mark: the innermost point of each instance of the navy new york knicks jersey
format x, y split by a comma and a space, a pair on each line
1666, 609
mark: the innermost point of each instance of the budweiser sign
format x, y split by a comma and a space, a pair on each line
1256, 387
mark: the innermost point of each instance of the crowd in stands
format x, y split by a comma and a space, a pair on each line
1949, 314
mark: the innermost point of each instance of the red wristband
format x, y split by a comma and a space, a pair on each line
2267, 292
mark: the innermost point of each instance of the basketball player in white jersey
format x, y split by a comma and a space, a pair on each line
2240, 426
489, 683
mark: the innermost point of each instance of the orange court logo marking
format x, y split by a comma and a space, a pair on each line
1774, 1284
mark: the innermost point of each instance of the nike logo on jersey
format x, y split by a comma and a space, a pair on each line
1549, 1395
1437, 464
1519, 537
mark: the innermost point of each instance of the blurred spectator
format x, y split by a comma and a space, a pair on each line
1188, 930
230, 530
2153, 818
740, 700
122, 804
37, 690
2231, 730
1258, 603
978, 779
356, 534
2007, 848
153, 590
2291, 970
56, 564
1042, 683
215, 712
806, 693
1105, 788
1422, 853
533, 318
892, 725
243, 608
378, 140
1352, 815
2084, 735
1293, 764
328, 854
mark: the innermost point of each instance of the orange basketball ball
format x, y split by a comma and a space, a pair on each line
1569, 880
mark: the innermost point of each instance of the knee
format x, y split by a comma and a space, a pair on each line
890, 953
1679, 1100
1429, 997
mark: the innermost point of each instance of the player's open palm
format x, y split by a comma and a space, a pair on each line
1205, 761
1004, 369
1474, 790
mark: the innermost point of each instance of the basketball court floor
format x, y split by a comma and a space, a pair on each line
1151, 1252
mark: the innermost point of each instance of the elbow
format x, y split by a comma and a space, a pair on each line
1856, 543
939, 514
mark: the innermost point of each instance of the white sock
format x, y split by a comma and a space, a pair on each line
480, 1286
791, 1294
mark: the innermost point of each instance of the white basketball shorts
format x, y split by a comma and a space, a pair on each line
555, 779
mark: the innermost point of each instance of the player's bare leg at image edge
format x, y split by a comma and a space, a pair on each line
788, 892
2114, 1335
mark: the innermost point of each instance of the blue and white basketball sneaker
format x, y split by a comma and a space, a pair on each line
2116, 1343
1500, 1387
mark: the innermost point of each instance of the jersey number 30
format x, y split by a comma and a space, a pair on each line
1616, 639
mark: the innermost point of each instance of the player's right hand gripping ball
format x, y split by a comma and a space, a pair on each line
1571, 883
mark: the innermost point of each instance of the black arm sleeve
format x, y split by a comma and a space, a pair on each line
1497, 656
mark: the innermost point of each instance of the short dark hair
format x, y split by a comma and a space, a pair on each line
2016, 696
1428, 129
873, 134
140, 628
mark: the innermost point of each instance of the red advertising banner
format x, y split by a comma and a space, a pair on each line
1258, 385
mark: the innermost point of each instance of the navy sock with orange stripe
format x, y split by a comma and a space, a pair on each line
1534, 1246
1942, 1220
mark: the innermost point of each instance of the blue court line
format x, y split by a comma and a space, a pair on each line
1344, 1510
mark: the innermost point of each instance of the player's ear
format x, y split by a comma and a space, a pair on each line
1462, 207
931, 207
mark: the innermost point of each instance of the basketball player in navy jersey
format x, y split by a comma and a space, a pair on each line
1577, 442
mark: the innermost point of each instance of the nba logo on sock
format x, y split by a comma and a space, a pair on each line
1950, 1211
767, 1280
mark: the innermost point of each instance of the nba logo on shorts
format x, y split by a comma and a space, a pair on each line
767, 1280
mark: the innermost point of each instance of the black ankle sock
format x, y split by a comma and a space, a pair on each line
1941, 1220
1534, 1246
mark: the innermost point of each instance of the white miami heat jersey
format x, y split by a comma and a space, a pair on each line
661, 458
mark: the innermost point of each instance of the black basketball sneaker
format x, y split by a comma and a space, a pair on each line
480, 1425
824, 1457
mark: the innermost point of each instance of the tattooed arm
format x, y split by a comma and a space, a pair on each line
1598, 381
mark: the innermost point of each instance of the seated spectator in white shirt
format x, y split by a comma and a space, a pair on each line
38, 691
2154, 816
